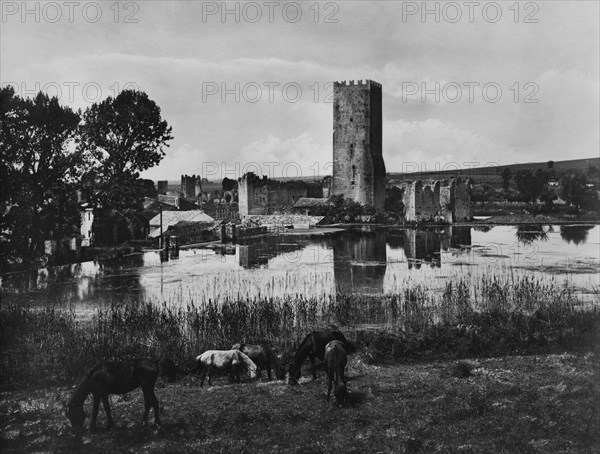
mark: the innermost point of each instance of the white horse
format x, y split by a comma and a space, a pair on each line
224, 360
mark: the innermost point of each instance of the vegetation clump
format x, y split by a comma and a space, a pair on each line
495, 316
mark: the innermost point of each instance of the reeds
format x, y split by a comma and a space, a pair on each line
494, 314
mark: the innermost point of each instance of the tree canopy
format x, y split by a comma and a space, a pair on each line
48, 152
38, 168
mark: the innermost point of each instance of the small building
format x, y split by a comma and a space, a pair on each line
308, 205
170, 218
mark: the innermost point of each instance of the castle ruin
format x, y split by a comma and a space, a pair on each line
191, 186
438, 200
265, 196
358, 166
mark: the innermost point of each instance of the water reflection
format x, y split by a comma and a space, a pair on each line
360, 261
424, 246
528, 234
576, 234
257, 253
355, 260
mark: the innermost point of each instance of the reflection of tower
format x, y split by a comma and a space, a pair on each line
422, 246
250, 256
359, 261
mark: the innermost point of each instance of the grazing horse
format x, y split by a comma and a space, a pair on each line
231, 360
313, 346
263, 357
335, 365
115, 377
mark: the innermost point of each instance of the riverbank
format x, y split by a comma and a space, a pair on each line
527, 404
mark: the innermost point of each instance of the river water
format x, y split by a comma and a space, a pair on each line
365, 260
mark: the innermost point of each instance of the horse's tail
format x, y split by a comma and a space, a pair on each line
350, 347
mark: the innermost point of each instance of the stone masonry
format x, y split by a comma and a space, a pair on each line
358, 166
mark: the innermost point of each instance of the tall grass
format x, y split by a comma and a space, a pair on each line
495, 314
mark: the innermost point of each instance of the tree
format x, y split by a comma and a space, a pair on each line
228, 184
531, 184
572, 188
121, 137
506, 177
39, 165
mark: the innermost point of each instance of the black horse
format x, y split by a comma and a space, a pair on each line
114, 377
313, 346
335, 365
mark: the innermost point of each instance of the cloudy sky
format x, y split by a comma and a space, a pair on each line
247, 85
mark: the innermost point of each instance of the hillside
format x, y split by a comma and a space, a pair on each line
490, 175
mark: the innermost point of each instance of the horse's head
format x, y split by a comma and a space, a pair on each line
76, 415
293, 371
280, 372
341, 394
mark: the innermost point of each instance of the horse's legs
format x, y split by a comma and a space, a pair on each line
95, 409
312, 363
150, 400
203, 375
208, 372
329, 389
269, 371
110, 423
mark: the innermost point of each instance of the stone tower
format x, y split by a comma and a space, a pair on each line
358, 167
191, 186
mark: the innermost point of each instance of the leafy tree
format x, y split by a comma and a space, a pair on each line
550, 165
393, 200
506, 177
531, 184
121, 137
592, 171
228, 184
39, 165
572, 188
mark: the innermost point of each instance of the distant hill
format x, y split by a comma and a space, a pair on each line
489, 175
492, 175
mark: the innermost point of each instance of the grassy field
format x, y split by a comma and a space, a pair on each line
516, 404
406, 396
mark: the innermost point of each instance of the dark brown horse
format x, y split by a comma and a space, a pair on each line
170, 370
115, 377
313, 346
335, 365
264, 358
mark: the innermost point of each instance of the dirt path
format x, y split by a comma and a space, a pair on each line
533, 404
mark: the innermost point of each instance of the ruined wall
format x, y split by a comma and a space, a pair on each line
448, 200
163, 186
421, 201
326, 187
455, 200
358, 166
463, 206
191, 186
252, 195
263, 196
